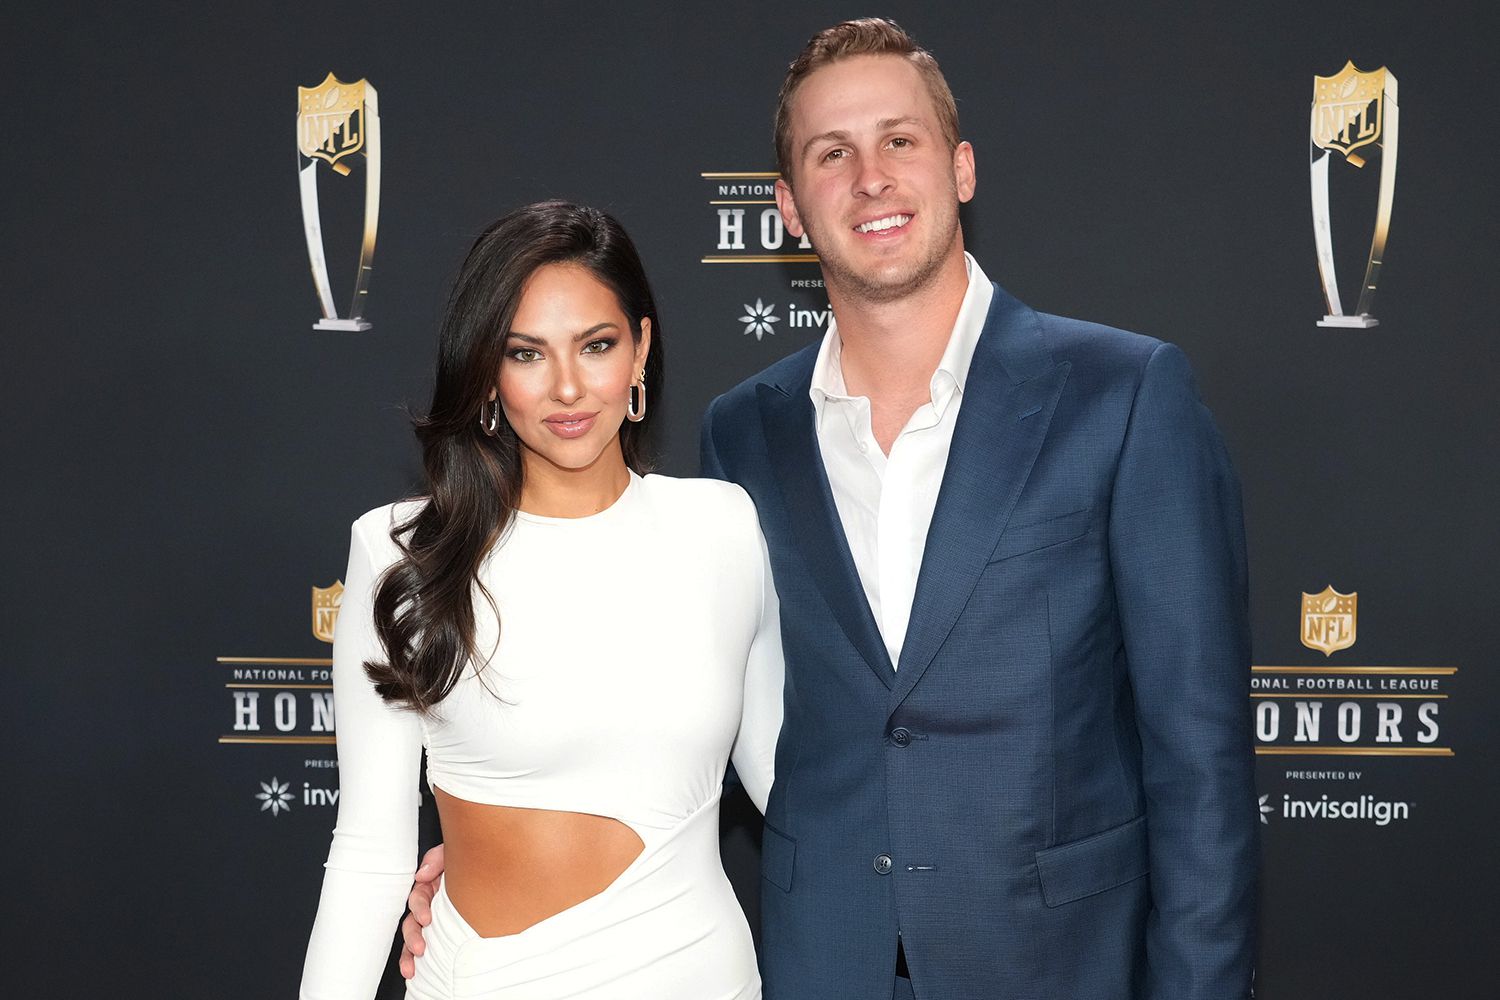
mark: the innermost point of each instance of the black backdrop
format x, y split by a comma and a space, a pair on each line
183, 453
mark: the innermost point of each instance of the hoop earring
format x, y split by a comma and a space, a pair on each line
635, 407
489, 417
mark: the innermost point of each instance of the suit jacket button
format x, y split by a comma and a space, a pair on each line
901, 736
883, 864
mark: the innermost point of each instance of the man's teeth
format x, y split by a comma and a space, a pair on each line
889, 222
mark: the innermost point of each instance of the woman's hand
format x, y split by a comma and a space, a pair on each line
428, 876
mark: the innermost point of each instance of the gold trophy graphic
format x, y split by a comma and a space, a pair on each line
336, 121
1352, 110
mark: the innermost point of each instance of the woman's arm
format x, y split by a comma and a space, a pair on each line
380, 752
754, 753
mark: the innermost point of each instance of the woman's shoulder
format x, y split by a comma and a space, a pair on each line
708, 509
711, 518
376, 529
702, 498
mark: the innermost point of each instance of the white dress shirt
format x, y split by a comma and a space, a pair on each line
885, 502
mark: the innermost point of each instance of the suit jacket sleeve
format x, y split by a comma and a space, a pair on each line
1177, 553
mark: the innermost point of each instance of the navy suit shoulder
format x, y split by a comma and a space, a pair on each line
1079, 340
1111, 371
1102, 357
795, 367
732, 422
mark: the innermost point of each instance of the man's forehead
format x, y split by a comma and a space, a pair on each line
861, 92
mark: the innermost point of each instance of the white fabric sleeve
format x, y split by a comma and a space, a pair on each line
754, 752
370, 864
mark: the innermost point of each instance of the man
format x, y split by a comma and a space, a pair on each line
1015, 761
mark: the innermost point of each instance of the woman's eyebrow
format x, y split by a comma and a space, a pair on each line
527, 338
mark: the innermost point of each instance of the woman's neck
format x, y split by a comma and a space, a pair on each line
550, 490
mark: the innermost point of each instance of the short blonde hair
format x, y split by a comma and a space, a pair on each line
866, 36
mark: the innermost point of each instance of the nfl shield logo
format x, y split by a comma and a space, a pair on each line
1328, 620
1346, 110
331, 121
325, 609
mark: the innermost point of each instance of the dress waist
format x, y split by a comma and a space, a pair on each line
672, 907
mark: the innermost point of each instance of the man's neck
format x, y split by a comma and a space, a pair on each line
889, 350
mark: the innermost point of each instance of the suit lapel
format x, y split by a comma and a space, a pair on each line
791, 439
1009, 395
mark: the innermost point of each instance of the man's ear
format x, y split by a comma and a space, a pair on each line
788, 206
964, 178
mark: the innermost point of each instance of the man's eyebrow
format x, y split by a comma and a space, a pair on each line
883, 125
837, 135
527, 338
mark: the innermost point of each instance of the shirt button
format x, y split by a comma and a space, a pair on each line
901, 737
864, 449
883, 864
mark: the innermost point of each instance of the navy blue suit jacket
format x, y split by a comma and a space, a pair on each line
1052, 796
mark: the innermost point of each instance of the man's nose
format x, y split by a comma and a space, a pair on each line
873, 180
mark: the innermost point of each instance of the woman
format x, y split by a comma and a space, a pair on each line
577, 647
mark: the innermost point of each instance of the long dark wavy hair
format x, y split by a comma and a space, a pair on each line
424, 604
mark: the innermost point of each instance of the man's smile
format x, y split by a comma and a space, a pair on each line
884, 223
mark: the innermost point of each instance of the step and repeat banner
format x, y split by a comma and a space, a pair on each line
228, 246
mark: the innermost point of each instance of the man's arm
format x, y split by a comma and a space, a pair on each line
1177, 552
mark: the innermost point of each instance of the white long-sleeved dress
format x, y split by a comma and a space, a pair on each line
636, 650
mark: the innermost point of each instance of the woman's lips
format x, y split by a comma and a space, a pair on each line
571, 425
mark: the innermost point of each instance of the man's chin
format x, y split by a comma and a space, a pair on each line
882, 282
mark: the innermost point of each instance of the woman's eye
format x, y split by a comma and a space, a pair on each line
525, 354
598, 346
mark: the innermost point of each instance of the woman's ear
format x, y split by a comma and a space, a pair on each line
643, 346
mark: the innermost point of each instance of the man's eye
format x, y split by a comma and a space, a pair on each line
834, 154
900, 142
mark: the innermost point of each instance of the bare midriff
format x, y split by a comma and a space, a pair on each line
508, 868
